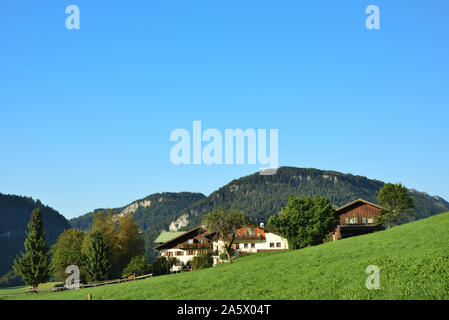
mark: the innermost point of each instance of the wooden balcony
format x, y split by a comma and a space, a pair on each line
191, 246
256, 237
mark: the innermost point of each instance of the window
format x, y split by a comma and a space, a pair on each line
246, 246
237, 246
169, 254
253, 245
365, 220
278, 245
271, 244
250, 232
179, 253
190, 253
347, 220
190, 241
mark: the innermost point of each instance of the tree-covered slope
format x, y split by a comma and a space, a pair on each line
15, 213
153, 214
262, 196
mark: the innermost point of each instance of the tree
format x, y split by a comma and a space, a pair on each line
33, 265
396, 203
98, 264
67, 251
104, 223
130, 240
162, 265
224, 225
138, 266
203, 260
305, 221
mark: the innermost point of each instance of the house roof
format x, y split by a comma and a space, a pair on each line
167, 236
164, 244
358, 201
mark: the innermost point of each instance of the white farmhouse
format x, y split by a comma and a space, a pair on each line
185, 246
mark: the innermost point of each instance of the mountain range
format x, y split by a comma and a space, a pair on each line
259, 196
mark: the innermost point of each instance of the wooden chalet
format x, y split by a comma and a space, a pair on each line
357, 218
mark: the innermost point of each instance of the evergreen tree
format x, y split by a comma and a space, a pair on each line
98, 264
33, 265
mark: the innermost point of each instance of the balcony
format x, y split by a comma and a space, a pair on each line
190, 246
256, 237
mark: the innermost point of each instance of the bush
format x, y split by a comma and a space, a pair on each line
162, 265
203, 260
11, 279
224, 256
138, 266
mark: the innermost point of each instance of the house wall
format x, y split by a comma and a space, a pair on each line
360, 211
184, 258
260, 245
356, 214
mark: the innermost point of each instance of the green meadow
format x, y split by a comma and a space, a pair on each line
413, 261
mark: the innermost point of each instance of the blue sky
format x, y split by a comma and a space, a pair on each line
86, 114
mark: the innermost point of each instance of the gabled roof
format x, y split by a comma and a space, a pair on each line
358, 201
167, 236
183, 234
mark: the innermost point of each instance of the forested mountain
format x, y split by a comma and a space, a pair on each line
259, 197
15, 213
262, 196
153, 214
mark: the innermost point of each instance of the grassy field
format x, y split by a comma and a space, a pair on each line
413, 261
22, 289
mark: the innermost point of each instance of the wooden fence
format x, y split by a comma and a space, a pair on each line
96, 284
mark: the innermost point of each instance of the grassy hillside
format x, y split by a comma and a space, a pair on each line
413, 261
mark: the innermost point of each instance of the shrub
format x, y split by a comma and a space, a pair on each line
203, 260
162, 265
138, 266
224, 256
11, 279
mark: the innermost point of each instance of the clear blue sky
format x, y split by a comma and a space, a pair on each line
86, 115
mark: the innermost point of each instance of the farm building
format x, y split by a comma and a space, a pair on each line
189, 244
357, 218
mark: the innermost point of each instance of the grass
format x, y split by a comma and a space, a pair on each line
23, 289
413, 261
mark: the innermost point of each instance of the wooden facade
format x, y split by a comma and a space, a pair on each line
356, 218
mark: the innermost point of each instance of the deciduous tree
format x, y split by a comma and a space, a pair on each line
224, 225
396, 203
305, 221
